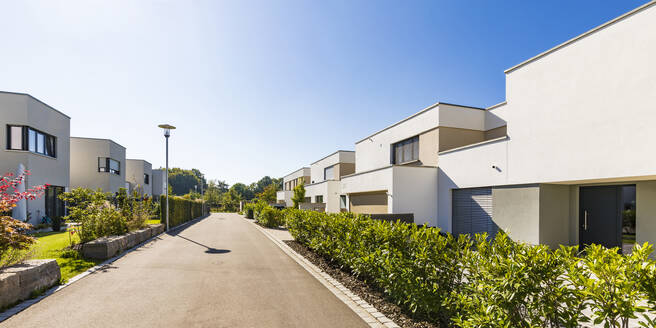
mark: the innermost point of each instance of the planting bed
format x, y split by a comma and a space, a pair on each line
368, 293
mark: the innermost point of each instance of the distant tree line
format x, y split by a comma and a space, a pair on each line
217, 193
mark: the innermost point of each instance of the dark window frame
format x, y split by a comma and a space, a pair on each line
107, 165
146, 178
413, 143
49, 141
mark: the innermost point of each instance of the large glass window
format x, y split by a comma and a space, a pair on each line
329, 173
405, 151
106, 164
26, 138
146, 179
318, 199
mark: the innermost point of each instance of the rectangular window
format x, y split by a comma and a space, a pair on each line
328, 173
26, 138
31, 139
106, 164
146, 179
405, 151
318, 199
342, 202
15, 138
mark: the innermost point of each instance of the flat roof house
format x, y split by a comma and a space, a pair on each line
579, 163
97, 163
36, 138
325, 176
139, 174
396, 167
290, 181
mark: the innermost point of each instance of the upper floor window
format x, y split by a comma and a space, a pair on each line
26, 138
329, 173
405, 151
146, 179
106, 164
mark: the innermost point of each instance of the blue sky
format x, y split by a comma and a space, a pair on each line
264, 87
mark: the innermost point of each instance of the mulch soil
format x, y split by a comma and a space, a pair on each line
368, 293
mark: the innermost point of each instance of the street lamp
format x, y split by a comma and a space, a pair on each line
167, 133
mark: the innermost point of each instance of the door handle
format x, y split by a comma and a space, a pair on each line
585, 220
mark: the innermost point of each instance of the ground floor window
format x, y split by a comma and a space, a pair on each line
318, 199
342, 202
472, 212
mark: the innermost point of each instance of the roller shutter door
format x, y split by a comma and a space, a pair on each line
472, 212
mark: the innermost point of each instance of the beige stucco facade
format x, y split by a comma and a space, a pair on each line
139, 175
84, 173
18, 109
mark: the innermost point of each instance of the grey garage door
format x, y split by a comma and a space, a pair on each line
472, 212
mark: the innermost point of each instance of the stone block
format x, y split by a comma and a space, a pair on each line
20, 281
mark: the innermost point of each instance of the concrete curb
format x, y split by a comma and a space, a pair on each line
364, 310
27, 303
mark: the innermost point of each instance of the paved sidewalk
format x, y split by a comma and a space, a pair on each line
218, 272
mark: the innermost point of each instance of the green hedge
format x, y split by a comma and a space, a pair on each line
182, 210
264, 214
478, 282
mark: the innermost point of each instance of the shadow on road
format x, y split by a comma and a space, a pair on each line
210, 250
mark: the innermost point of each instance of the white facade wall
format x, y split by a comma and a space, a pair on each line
285, 196
23, 109
329, 189
296, 174
317, 168
583, 112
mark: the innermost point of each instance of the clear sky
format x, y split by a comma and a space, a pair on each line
264, 87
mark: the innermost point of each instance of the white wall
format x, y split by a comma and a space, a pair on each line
583, 112
159, 182
285, 196
296, 174
330, 190
414, 191
317, 168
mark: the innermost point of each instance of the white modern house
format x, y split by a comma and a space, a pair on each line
36, 138
289, 182
578, 164
325, 175
159, 182
139, 175
396, 168
97, 163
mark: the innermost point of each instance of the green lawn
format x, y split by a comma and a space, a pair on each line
52, 245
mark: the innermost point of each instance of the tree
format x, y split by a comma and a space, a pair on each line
230, 200
269, 193
184, 181
299, 195
243, 191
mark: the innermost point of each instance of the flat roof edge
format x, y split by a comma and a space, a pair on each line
37, 99
301, 169
581, 36
414, 115
339, 151
101, 139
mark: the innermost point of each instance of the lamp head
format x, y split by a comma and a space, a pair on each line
167, 129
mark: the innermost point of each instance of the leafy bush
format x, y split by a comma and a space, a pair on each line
482, 282
271, 217
14, 240
182, 210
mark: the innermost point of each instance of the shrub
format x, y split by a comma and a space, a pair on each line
271, 217
182, 210
482, 282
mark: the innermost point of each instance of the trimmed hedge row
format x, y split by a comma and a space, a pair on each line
182, 210
483, 282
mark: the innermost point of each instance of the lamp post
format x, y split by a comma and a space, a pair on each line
167, 133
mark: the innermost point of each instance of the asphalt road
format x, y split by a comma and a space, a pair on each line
218, 272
